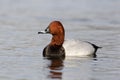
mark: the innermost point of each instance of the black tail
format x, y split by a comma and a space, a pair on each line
96, 48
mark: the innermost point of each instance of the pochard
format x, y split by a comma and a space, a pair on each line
55, 48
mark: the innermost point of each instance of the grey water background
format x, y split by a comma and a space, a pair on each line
96, 21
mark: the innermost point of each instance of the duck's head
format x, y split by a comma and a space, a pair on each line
57, 30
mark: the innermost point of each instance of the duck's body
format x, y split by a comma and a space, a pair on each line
55, 48
80, 48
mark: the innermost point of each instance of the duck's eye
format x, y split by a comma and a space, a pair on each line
47, 30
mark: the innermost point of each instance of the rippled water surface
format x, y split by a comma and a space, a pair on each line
96, 21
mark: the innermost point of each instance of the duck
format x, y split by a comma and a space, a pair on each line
58, 47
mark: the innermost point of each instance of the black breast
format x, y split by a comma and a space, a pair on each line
54, 52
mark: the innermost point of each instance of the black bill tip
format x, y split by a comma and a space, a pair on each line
41, 32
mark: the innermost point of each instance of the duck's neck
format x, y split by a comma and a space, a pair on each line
57, 40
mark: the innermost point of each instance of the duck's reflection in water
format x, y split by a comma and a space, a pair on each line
55, 67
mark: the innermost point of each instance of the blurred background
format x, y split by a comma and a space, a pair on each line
96, 21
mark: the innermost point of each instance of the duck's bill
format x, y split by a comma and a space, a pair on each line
43, 32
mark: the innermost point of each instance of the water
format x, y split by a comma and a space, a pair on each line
88, 20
